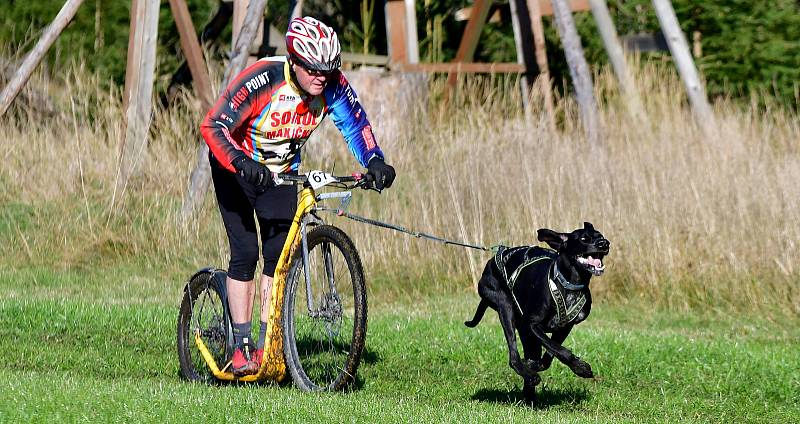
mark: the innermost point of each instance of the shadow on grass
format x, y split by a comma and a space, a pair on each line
545, 398
307, 347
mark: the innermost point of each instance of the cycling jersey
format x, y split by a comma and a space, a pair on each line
265, 115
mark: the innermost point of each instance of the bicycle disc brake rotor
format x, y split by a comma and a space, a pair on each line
331, 314
213, 333
210, 325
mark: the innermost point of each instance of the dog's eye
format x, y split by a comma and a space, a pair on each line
585, 238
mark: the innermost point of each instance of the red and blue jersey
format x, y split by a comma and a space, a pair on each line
265, 115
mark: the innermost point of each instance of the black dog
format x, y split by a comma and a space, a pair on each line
538, 291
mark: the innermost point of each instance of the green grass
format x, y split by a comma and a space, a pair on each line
100, 346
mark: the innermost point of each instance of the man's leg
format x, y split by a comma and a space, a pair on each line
240, 299
235, 205
275, 209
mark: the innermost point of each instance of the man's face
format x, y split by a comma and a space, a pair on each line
313, 82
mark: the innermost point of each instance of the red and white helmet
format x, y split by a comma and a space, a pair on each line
313, 44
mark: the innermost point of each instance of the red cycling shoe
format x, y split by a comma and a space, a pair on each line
242, 362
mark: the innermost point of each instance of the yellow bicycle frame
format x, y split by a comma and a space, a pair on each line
273, 367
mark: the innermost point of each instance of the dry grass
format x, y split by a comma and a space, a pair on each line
697, 218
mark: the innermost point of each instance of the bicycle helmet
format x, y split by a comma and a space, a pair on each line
313, 44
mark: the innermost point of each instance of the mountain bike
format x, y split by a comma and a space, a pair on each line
318, 316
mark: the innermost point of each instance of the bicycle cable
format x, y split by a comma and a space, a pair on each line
398, 228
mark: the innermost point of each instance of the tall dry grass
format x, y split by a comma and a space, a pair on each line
698, 216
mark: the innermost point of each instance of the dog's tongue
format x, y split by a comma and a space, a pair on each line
595, 262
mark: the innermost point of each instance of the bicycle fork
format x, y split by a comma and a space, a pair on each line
326, 255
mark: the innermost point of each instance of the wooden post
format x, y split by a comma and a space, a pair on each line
395, 12
131, 62
140, 104
679, 49
201, 174
241, 9
191, 50
33, 58
412, 43
546, 6
616, 56
469, 41
578, 69
295, 9
534, 9
522, 39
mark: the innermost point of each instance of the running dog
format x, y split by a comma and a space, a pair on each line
537, 291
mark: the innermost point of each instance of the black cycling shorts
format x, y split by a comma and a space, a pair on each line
241, 204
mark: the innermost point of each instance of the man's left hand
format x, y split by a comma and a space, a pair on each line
382, 172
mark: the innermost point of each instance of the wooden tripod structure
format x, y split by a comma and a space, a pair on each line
403, 56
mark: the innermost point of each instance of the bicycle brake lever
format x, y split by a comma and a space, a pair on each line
368, 183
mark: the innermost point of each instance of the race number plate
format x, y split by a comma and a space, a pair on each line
319, 179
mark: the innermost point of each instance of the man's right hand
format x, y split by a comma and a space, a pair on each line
253, 172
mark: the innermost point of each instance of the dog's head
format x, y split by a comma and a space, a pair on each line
584, 248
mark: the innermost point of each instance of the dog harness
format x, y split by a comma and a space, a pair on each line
512, 260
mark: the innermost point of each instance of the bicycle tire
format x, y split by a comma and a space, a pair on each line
321, 353
203, 308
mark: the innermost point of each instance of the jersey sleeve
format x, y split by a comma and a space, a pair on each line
351, 120
237, 104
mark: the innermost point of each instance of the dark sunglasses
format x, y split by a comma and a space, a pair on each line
318, 73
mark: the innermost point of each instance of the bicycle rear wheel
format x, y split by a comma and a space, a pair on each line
325, 317
203, 310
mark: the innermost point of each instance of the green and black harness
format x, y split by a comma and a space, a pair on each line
511, 261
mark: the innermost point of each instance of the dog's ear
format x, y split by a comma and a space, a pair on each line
552, 238
588, 226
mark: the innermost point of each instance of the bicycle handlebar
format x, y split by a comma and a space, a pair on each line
361, 180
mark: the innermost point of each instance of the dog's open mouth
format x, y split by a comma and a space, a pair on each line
592, 264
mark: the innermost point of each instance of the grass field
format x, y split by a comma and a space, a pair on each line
112, 358
696, 319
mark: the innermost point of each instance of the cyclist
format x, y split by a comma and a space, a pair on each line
257, 128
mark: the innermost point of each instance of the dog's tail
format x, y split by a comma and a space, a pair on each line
478, 314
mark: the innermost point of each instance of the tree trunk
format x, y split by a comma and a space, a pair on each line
617, 57
679, 49
198, 184
578, 70
535, 13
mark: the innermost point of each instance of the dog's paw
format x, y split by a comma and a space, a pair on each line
582, 369
533, 380
545, 363
529, 371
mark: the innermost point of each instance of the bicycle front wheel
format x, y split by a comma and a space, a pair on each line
325, 312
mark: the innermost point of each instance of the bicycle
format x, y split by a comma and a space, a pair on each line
309, 322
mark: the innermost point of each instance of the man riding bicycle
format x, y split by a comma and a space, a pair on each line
257, 128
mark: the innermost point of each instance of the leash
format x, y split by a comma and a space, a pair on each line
398, 228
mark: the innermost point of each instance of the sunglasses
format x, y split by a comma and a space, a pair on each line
317, 73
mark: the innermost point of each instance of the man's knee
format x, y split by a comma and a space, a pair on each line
243, 263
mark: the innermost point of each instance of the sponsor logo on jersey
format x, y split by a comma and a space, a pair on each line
369, 139
289, 117
257, 82
238, 98
289, 132
350, 96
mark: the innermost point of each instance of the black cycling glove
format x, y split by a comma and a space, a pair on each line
382, 173
253, 172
